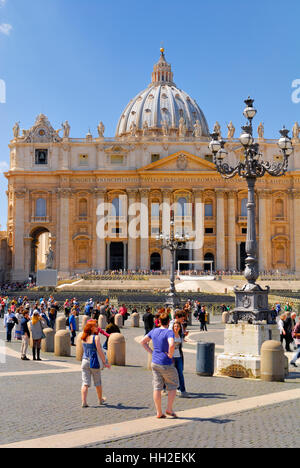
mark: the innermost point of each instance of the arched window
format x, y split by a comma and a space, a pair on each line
182, 207
244, 203
116, 207
209, 257
83, 208
279, 208
41, 208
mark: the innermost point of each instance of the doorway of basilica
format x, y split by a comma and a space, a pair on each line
39, 248
116, 256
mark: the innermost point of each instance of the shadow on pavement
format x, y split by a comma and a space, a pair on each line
221, 396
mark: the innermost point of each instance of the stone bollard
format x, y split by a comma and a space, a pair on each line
102, 322
79, 347
225, 317
116, 352
135, 320
85, 318
119, 320
62, 343
272, 362
60, 323
48, 342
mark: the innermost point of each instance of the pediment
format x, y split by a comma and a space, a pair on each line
181, 161
116, 149
41, 132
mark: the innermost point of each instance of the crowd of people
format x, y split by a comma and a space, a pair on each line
166, 331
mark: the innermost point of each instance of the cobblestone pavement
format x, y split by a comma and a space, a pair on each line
47, 404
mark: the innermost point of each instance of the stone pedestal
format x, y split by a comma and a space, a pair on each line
242, 349
46, 278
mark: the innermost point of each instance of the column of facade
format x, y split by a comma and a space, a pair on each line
100, 263
64, 230
166, 219
19, 248
220, 237
231, 231
199, 228
296, 217
132, 228
144, 230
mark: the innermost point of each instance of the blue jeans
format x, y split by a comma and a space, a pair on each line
179, 367
296, 355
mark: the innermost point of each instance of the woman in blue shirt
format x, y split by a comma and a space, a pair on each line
163, 369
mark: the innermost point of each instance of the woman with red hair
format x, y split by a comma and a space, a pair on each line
93, 357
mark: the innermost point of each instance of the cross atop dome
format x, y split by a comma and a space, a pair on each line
162, 72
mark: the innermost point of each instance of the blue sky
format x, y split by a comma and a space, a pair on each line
83, 60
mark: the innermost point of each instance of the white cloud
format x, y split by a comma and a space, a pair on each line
5, 29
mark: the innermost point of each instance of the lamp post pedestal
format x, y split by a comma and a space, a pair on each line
242, 344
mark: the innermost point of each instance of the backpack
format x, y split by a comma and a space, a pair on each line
94, 361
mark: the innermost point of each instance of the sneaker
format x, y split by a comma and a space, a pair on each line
84, 405
183, 394
293, 364
164, 393
102, 402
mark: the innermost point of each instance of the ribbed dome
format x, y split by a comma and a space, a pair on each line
162, 106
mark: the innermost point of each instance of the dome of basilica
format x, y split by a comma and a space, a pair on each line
163, 108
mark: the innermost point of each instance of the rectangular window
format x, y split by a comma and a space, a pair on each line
117, 159
116, 231
208, 157
155, 231
83, 160
155, 157
155, 210
41, 157
209, 230
208, 210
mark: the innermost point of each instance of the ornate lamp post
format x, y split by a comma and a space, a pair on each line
251, 300
173, 243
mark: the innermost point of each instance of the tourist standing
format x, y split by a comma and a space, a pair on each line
37, 326
123, 311
178, 359
280, 325
9, 323
25, 335
72, 326
296, 336
19, 316
52, 316
148, 320
288, 326
91, 366
163, 368
67, 308
202, 319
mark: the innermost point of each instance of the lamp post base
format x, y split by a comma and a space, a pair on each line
251, 305
173, 301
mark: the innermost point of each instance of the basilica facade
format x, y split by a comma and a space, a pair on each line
101, 202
